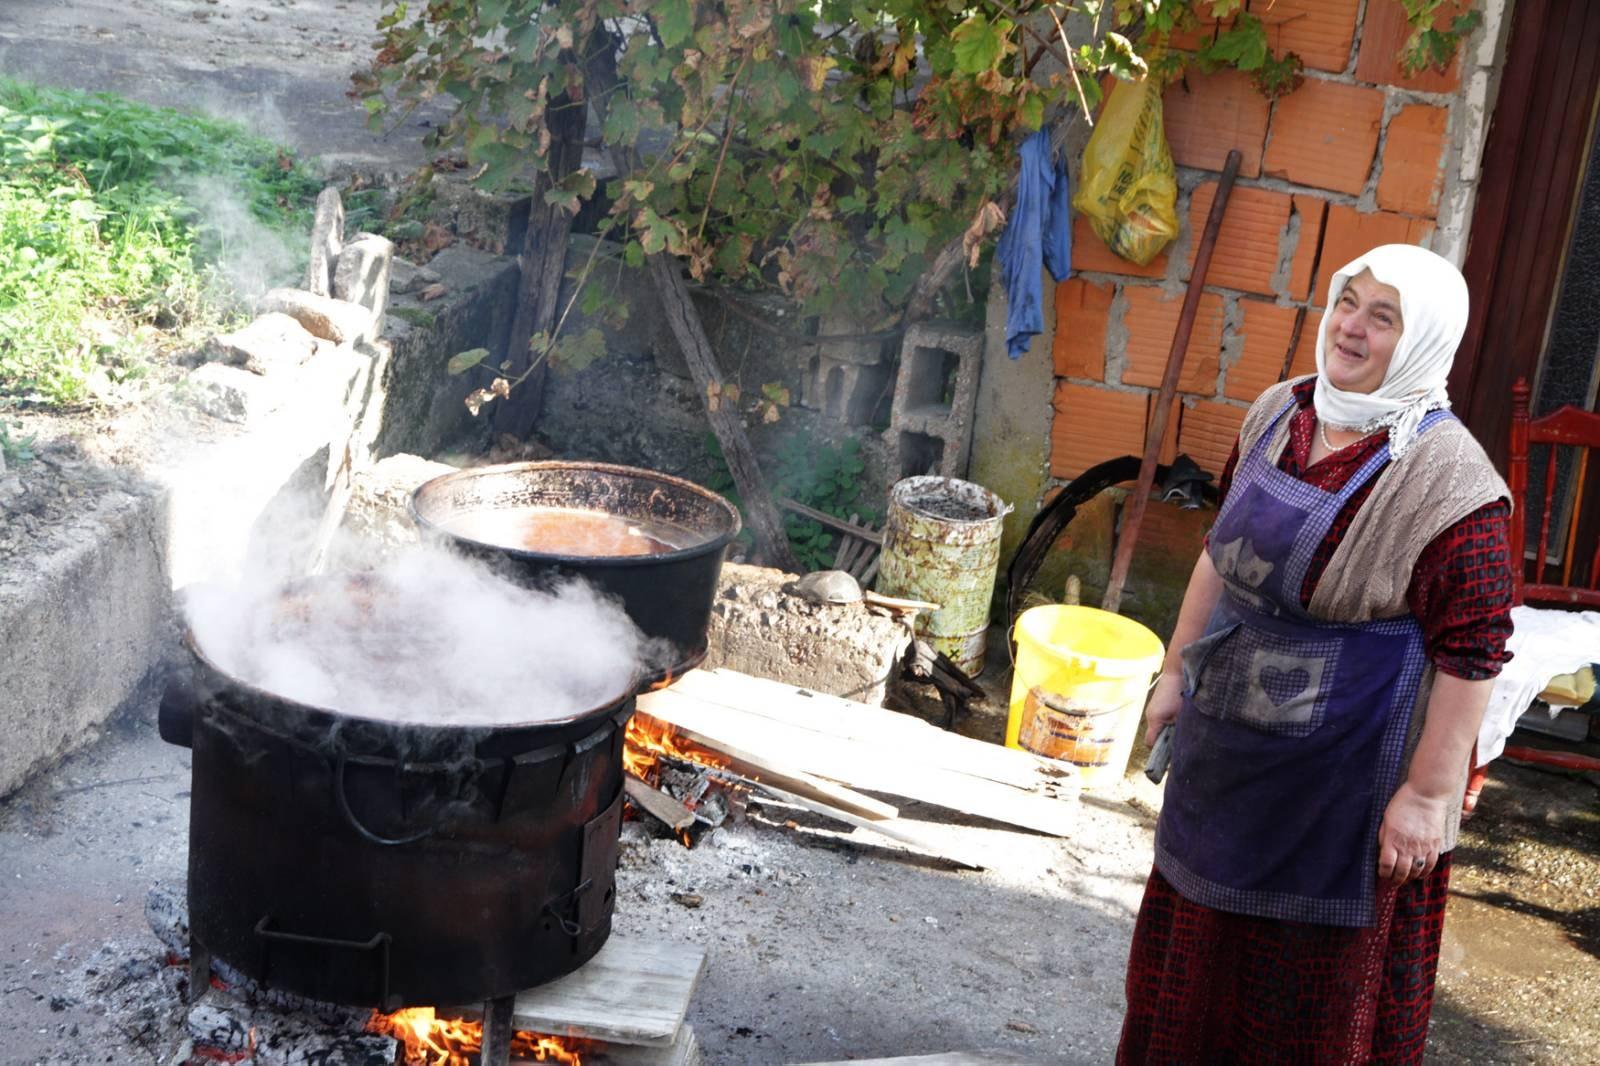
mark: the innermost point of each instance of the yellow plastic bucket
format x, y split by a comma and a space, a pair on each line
1079, 687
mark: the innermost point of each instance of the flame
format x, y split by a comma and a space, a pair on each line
648, 739
433, 1041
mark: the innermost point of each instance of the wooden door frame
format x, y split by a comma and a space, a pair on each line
1528, 189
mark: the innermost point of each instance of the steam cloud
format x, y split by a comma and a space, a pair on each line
427, 638
250, 255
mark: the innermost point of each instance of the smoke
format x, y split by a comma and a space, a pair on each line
249, 254
427, 638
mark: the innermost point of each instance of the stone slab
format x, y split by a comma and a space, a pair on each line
760, 627
83, 626
272, 343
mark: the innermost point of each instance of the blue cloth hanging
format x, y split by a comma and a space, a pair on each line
1038, 235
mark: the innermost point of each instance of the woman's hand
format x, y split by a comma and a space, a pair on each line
1411, 835
1165, 702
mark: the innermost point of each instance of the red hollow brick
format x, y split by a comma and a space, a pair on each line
1089, 252
1265, 330
1207, 114
1152, 319
1083, 309
1349, 233
1246, 255
1383, 34
1093, 424
1411, 175
1320, 31
1325, 134
1209, 432
1305, 352
1313, 212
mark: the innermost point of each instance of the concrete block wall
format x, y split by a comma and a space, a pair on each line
935, 396
1359, 155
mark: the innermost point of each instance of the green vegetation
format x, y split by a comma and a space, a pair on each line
826, 478
116, 223
15, 451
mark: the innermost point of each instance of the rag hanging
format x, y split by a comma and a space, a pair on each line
1038, 234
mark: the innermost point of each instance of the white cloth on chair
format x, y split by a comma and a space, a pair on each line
1545, 644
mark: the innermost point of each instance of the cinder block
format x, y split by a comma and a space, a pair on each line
1349, 233
1092, 425
935, 395
1246, 255
1083, 310
1209, 432
1313, 212
844, 390
1383, 34
1207, 114
1152, 319
1265, 330
1089, 252
1411, 176
1321, 31
1325, 134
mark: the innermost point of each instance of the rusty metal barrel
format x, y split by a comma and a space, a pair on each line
942, 543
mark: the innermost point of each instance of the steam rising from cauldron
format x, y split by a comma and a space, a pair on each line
427, 638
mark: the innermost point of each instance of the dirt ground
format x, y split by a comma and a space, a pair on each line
824, 946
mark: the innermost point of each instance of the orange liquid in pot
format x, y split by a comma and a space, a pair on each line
563, 531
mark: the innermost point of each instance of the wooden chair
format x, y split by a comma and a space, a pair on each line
1566, 427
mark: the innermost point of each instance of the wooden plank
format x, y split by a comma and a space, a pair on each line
890, 828
662, 807
836, 716
875, 768
766, 771
631, 992
684, 1051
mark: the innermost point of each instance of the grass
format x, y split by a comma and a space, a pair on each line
116, 224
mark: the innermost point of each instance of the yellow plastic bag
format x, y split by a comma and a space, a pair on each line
1126, 186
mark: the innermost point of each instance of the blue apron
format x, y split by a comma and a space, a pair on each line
1293, 730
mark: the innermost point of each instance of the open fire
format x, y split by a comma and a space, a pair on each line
433, 1041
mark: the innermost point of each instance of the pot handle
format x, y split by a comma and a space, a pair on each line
175, 718
355, 823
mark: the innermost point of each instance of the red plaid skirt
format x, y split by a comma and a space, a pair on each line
1205, 986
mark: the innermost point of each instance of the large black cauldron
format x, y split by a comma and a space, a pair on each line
377, 864
668, 595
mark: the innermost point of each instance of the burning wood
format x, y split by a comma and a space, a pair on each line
430, 1040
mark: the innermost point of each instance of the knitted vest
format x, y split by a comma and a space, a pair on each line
1442, 478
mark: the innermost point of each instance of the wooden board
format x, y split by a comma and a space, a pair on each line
889, 827
683, 1051
873, 767
668, 811
837, 716
631, 992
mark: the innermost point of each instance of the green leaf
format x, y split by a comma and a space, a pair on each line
979, 43
571, 354
462, 362
674, 21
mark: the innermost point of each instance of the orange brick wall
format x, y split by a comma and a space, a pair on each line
1354, 158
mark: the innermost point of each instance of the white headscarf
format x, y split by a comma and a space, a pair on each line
1433, 313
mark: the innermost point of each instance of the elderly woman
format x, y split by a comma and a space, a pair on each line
1331, 662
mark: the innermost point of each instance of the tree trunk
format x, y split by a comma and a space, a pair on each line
690, 333
543, 261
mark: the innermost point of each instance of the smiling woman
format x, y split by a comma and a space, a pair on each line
1327, 676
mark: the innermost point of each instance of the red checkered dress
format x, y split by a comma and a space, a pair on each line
1206, 986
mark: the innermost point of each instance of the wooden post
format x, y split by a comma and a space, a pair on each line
543, 261
690, 333
1129, 533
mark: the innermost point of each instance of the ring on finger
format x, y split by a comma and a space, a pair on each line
1418, 863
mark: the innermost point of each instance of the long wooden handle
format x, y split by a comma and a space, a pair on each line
1134, 516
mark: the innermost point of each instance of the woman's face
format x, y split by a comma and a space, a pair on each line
1362, 327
